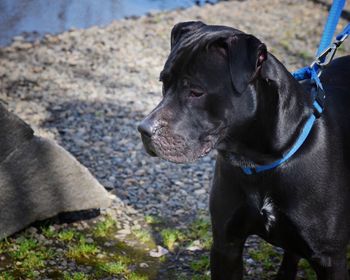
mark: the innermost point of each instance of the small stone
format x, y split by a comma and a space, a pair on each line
100, 256
136, 227
157, 253
143, 265
89, 240
195, 246
32, 230
124, 231
200, 191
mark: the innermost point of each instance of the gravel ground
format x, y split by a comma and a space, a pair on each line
88, 89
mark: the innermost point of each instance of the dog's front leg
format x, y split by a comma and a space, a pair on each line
230, 224
229, 236
226, 262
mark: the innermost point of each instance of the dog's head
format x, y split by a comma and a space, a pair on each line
206, 91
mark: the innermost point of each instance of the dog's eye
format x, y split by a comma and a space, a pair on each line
196, 93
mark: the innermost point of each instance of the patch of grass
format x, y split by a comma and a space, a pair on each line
152, 220
114, 268
135, 276
307, 270
23, 247
266, 255
34, 260
28, 256
82, 250
102, 228
6, 276
171, 237
143, 235
75, 276
200, 265
49, 232
66, 235
201, 230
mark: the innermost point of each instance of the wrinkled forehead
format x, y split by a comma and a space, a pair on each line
192, 44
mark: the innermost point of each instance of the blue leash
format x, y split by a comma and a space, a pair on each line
312, 72
332, 21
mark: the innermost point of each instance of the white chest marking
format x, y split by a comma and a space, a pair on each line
268, 213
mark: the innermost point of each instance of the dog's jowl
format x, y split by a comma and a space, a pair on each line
223, 90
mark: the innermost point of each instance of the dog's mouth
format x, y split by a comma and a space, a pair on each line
175, 149
147, 143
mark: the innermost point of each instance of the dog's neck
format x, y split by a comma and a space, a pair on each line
282, 111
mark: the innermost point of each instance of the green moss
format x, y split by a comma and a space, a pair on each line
307, 270
267, 256
49, 232
103, 228
66, 235
135, 276
6, 276
200, 265
152, 220
143, 235
23, 247
200, 277
27, 256
201, 230
170, 237
75, 276
114, 268
82, 250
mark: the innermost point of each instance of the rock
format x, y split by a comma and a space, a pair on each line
89, 240
107, 244
143, 265
39, 179
195, 246
157, 253
124, 231
200, 191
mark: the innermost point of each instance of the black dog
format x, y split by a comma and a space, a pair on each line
222, 90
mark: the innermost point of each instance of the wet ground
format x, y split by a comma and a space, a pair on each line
33, 19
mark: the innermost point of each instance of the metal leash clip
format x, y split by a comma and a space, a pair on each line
328, 54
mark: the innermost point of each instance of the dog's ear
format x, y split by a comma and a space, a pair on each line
180, 29
246, 55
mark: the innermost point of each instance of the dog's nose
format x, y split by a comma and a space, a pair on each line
145, 128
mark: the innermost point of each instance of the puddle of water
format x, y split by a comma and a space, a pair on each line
33, 19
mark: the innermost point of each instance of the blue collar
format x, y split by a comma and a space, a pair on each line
318, 106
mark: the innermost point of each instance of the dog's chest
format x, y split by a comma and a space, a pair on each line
268, 213
264, 209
